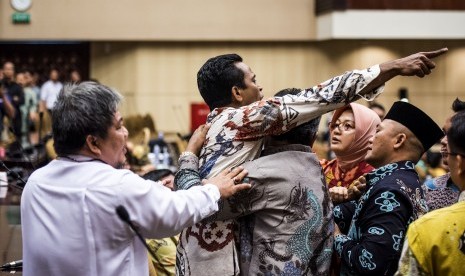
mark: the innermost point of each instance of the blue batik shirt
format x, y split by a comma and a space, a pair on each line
378, 222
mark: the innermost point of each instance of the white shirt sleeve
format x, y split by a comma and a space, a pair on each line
160, 212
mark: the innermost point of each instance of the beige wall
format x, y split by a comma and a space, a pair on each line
161, 20
160, 78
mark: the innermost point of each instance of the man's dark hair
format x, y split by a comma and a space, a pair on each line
216, 78
376, 105
303, 134
82, 109
456, 133
157, 175
458, 105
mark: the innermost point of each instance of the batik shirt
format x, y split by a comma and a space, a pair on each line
235, 136
285, 219
335, 177
379, 221
440, 192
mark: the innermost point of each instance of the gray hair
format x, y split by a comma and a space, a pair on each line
82, 109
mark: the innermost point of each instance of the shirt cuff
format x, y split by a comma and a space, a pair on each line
189, 161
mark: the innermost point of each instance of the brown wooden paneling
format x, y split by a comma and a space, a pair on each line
407, 4
331, 5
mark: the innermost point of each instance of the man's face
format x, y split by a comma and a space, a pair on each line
380, 145
28, 78
54, 75
113, 148
9, 70
21, 79
75, 77
445, 128
252, 91
455, 162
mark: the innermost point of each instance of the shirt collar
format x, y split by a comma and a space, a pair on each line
292, 147
386, 170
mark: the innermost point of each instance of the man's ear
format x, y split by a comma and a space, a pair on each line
460, 165
400, 140
92, 145
236, 94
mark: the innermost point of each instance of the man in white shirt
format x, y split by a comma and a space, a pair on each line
49, 91
69, 223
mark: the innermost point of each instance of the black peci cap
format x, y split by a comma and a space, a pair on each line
417, 121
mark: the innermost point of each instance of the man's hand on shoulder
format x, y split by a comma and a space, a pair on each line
229, 181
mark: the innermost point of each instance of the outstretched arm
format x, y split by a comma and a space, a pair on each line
280, 114
419, 64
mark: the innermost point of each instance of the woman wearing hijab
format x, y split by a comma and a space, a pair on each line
351, 127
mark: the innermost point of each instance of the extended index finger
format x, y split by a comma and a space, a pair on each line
436, 53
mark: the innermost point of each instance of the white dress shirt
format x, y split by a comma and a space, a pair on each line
70, 226
49, 93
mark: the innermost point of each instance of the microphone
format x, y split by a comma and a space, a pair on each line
22, 152
15, 174
12, 266
41, 118
124, 216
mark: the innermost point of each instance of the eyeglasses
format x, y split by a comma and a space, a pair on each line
446, 154
342, 126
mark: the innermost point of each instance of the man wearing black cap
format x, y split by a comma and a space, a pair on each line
378, 221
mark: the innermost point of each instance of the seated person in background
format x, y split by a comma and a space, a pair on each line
68, 218
240, 119
285, 219
164, 261
378, 221
441, 191
351, 128
435, 243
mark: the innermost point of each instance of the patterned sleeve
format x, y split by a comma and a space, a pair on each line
343, 214
408, 264
379, 234
188, 173
279, 114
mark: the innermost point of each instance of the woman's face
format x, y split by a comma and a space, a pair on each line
342, 132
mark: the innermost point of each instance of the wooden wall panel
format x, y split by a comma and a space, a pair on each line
323, 6
160, 78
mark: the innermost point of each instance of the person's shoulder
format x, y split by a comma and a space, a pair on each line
441, 217
399, 176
